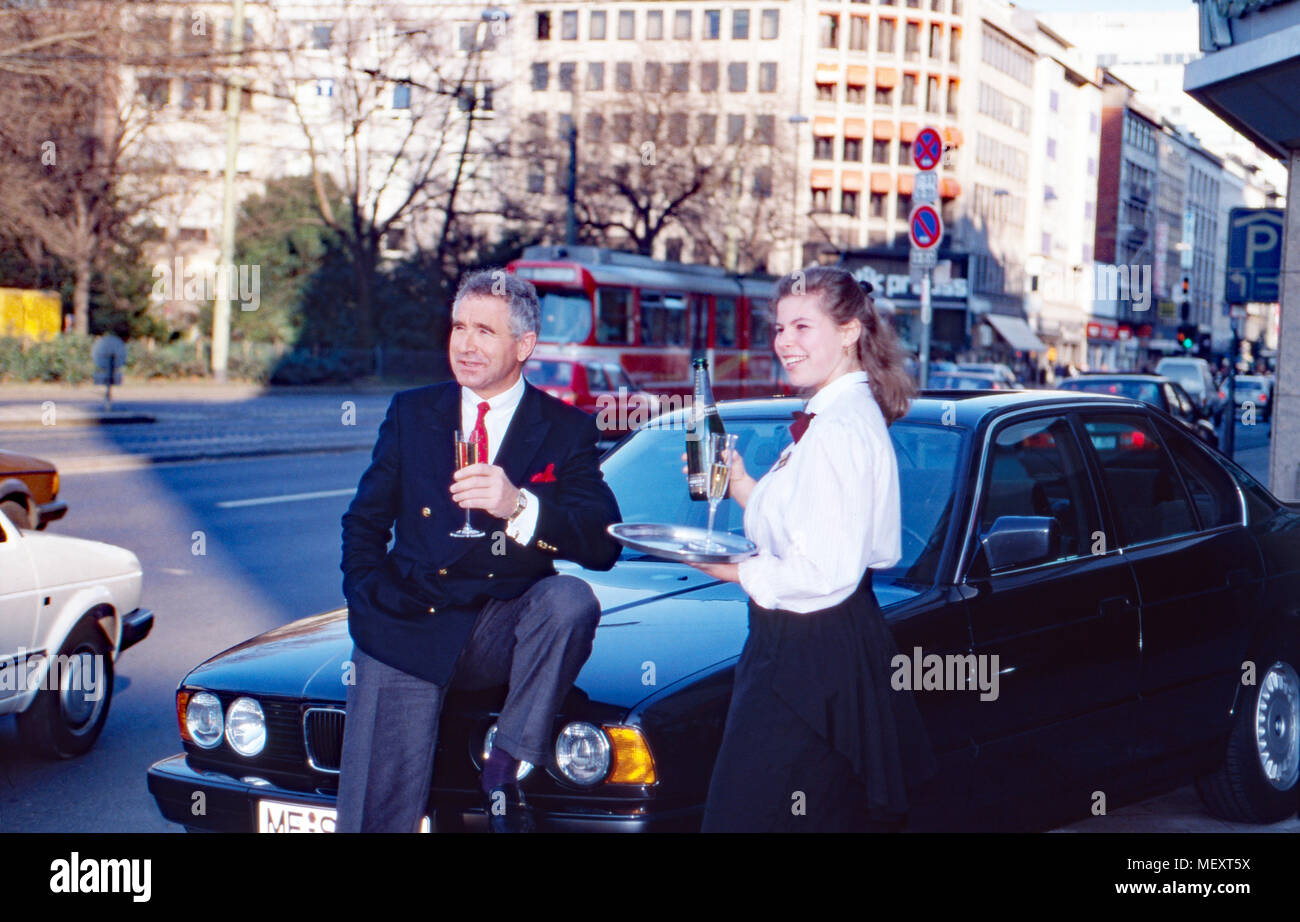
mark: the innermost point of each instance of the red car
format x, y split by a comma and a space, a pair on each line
601, 388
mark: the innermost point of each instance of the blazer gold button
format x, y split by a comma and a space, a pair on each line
426, 512
490, 575
442, 572
432, 609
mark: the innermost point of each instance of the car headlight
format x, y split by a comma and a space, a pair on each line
203, 721
245, 727
582, 753
524, 765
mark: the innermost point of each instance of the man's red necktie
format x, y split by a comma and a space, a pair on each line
479, 434
800, 424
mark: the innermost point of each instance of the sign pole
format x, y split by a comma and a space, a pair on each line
925, 328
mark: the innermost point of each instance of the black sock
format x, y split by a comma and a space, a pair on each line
500, 768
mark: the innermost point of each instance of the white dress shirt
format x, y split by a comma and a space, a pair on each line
501, 409
829, 508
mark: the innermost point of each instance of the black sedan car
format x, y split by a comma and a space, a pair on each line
1090, 604
1161, 392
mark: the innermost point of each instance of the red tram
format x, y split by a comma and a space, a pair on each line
652, 316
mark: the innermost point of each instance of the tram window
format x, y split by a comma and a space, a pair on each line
724, 322
663, 319
614, 312
566, 318
760, 323
596, 379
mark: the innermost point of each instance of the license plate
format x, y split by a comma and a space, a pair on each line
277, 816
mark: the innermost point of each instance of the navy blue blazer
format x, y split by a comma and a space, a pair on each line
413, 607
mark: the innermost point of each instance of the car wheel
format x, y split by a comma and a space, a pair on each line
65, 721
1256, 783
18, 511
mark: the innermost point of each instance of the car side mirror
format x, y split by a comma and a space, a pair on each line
1020, 540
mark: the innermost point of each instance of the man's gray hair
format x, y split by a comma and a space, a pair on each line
519, 294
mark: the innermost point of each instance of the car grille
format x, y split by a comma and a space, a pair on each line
323, 732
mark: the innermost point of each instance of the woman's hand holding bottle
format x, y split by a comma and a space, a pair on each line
741, 483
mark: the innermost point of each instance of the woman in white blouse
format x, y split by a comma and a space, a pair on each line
816, 738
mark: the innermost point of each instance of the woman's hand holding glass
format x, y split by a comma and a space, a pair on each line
741, 484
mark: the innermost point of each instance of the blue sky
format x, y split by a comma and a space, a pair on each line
1084, 6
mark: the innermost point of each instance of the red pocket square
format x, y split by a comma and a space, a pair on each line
546, 476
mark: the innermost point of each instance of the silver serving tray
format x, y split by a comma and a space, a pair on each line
670, 542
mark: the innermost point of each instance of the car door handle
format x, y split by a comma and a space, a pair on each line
1115, 605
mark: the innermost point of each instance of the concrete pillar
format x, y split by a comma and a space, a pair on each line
1284, 459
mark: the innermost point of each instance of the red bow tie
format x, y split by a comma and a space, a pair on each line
800, 424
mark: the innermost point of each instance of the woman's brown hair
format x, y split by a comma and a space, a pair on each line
879, 351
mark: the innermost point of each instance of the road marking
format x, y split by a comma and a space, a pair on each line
287, 498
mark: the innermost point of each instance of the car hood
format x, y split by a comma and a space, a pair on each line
660, 623
59, 559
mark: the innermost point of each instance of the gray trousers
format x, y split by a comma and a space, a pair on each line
536, 643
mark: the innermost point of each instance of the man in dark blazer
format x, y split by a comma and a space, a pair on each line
437, 610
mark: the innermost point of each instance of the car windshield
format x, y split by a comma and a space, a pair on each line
566, 317
1189, 376
1146, 391
645, 473
548, 374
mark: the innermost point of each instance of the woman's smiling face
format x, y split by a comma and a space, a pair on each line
812, 347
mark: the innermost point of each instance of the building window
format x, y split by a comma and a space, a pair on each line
320, 37
622, 127
712, 24
1051, 148
594, 129
936, 42
653, 70
681, 77
904, 153
540, 76
708, 126
543, 26
829, 24
623, 75
855, 94
771, 24
1092, 122
763, 182
821, 200
954, 46
823, 148
1092, 166
826, 92
735, 129
884, 95
677, 122
767, 77
709, 76
859, 33
682, 25
904, 209
740, 24
879, 151
932, 95
952, 97
1054, 101
654, 25
627, 24
765, 129
885, 37
909, 89
595, 75
877, 205
567, 69
738, 76
853, 150
596, 25
849, 203
569, 25
536, 179
673, 250
936, 6
912, 41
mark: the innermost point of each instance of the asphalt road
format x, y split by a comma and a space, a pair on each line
262, 564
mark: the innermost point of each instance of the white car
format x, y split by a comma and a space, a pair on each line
68, 608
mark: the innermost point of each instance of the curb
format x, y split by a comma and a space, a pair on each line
80, 421
95, 464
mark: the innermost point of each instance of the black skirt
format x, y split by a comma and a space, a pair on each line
817, 740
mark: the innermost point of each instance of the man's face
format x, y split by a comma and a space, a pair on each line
485, 357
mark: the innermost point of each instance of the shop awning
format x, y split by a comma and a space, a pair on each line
855, 128
953, 136
822, 179
882, 129
886, 78
904, 183
856, 75
824, 127
851, 181
1016, 333
880, 183
828, 73
949, 188
908, 130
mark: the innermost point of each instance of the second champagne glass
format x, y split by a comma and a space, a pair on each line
466, 454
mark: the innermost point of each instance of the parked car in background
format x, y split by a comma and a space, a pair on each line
1116, 659
970, 381
1158, 391
1001, 371
68, 609
1196, 378
1258, 390
29, 490
594, 386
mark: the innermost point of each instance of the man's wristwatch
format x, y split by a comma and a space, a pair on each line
520, 505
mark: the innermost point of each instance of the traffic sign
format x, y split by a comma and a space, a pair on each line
922, 259
1254, 254
925, 188
927, 149
925, 227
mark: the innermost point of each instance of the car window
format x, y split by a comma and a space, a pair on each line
1145, 492
618, 378
1214, 495
1189, 376
645, 473
596, 379
566, 318
548, 374
1035, 468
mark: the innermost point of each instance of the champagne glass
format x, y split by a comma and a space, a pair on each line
466, 454
719, 479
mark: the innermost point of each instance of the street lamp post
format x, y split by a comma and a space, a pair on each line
795, 262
